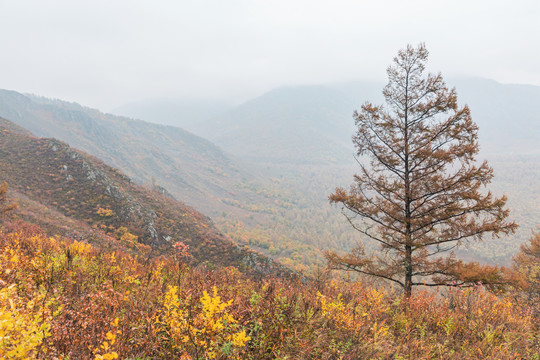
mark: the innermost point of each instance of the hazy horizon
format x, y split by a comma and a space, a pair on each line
107, 54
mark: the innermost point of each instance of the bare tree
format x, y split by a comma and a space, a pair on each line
419, 191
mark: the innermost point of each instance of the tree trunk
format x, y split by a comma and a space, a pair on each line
408, 237
408, 271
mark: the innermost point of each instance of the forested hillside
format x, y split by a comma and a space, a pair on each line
55, 182
247, 202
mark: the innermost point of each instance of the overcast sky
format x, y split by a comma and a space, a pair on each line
106, 53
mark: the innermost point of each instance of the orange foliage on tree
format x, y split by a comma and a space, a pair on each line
4, 206
419, 192
527, 262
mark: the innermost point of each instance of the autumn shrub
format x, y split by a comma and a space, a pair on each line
23, 325
205, 330
61, 298
25, 311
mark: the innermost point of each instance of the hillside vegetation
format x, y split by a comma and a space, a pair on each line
94, 265
67, 299
56, 182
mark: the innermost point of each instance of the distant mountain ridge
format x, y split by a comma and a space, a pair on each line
292, 124
314, 123
508, 119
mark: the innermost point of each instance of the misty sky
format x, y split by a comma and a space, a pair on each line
104, 54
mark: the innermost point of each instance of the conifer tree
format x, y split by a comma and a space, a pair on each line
419, 192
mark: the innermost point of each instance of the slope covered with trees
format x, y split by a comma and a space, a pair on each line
61, 183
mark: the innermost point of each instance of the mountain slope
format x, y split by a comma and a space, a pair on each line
244, 206
81, 187
191, 168
507, 114
309, 124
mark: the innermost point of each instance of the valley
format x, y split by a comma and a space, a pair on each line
278, 157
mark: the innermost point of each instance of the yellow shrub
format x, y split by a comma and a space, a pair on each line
212, 330
105, 212
107, 346
22, 326
80, 248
